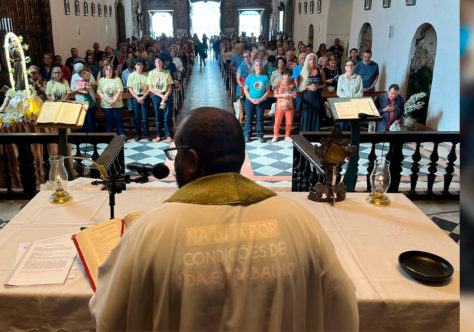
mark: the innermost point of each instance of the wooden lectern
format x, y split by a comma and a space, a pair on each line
353, 110
64, 116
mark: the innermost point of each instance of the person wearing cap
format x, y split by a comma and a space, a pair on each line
82, 86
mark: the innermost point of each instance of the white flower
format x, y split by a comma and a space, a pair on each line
415, 102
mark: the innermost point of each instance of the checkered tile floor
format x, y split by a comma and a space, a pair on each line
449, 227
272, 162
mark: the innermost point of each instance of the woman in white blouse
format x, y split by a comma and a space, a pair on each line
176, 60
349, 84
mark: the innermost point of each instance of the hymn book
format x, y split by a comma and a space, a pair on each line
354, 108
95, 243
62, 114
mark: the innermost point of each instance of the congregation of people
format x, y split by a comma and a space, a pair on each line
146, 68
269, 75
309, 72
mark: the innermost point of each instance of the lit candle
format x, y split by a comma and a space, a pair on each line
379, 183
58, 182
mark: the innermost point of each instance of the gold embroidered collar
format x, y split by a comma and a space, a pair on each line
222, 188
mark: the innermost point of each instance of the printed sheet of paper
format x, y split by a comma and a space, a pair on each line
75, 269
46, 262
345, 110
365, 106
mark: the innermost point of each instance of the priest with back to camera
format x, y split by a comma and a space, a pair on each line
222, 253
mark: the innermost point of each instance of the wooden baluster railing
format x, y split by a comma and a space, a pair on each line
313, 178
449, 168
79, 167
27, 169
433, 167
370, 167
396, 166
416, 157
304, 150
294, 170
95, 154
300, 179
6, 168
46, 163
306, 175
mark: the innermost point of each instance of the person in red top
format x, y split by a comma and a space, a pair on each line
285, 92
66, 71
391, 107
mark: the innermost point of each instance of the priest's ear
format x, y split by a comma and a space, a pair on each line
192, 160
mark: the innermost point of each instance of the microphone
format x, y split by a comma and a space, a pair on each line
159, 171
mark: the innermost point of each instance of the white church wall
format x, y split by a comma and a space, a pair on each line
129, 7
339, 23
333, 21
393, 53
302, 22
82, 31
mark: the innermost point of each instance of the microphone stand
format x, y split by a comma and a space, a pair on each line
116, 183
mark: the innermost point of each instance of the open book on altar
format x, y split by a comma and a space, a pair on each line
95, 243
353, 108
62, 114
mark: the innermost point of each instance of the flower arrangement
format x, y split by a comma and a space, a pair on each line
414, 103
83, 85
19, 105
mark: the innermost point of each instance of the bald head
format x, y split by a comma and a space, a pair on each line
217, 138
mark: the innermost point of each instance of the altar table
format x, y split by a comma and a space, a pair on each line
368, 240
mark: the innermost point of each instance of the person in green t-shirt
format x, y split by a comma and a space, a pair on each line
137, 85
57, 88
160, 85
110, 91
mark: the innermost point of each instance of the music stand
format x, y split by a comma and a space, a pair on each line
363, 109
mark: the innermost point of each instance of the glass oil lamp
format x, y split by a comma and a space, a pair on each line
380, 181
58, 180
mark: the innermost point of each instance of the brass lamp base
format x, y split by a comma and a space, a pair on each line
379, 199
60, 197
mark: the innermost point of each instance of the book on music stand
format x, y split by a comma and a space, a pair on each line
64, 116
353, 110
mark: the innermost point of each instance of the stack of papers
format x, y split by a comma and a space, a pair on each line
44, 262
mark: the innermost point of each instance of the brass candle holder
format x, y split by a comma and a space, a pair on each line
58, 180
380, 181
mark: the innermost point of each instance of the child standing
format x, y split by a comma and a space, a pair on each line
285, 92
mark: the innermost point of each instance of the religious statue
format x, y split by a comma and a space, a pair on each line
15, 57
21, 104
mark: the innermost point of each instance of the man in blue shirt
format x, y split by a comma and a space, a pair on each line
296, 74
369, 70
337, 50
237, 58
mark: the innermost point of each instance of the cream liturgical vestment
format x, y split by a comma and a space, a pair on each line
224, 253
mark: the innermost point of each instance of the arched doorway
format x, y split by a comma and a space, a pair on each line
365, 38
250, 22
121, 34
310, 34
205, 18
422, 61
